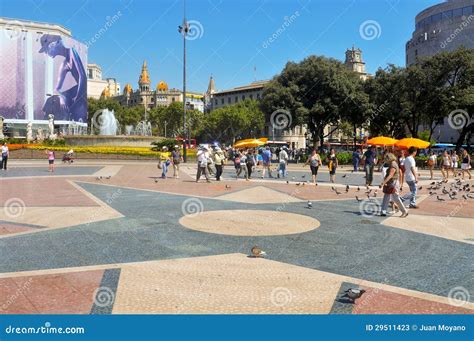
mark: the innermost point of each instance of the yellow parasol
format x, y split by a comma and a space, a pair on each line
250, 143
381, 141
412, 142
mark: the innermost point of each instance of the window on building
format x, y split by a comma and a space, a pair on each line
436, 17
222, 101
467, 10
229, 100
236, 99
448, 14
216, 102
457, 12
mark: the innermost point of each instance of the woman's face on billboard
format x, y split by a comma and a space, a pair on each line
53, 48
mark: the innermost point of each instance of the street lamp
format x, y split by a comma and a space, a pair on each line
184, 30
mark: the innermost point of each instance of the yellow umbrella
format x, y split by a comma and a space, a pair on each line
249, 144
381, 141
412, 142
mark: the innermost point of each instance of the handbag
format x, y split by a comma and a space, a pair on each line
389, 188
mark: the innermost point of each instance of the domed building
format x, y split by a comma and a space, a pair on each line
161, 97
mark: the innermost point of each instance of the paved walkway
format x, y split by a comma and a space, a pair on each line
112, 237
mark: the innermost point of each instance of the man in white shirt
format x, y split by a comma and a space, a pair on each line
411, 177
283, 158
202, 157
4, 157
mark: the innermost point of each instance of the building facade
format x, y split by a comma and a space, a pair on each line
161, 96
442, 27
36, 83
98, 87
355, 63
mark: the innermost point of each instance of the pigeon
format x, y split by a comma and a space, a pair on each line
227, 186
420, 188
338, 193
433, 193
293, 178
470, 195
353, 294
99, 178
439, 199
156, 181
464, 197
347, 188
303, 177
298, 184
344, 175
358, 189
310, 204
258, 252
357, 198
445, 191
287, 182
333, 188
433, 183
451, 197
108, 177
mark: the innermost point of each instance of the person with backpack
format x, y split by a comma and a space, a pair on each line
219, 160
250, 163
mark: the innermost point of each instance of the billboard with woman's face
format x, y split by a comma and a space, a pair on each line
42, 74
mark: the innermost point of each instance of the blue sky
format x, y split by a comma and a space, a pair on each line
233, 37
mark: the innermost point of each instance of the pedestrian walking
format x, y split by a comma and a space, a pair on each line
454, 162
390, 186
164, 161
177, 159
267, 162
283, 162
401, 168
445, 165
333, 163
466, 164
411, 177
356, 156
4, 157
431, 162
219, 161
314, 162
241, 164
250, 162
202, 156
370, 159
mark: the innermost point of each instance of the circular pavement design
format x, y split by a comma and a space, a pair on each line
249, 222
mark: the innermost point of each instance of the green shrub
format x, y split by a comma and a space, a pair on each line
54, 143
170, 143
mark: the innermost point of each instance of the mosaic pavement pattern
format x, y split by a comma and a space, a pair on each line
79, 242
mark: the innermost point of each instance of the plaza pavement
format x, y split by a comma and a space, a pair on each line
74, 243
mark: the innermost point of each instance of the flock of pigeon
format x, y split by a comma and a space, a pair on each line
99, 178
455, 191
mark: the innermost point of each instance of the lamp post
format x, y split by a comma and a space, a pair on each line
184, 29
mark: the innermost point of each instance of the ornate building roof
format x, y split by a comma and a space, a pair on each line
144, 76
105, 93
127, 89
162, 86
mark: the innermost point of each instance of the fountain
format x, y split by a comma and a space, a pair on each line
107, 123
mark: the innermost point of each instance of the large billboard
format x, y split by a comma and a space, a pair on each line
42, 74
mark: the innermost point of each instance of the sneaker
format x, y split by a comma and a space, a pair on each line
383, 214
413, 206
404, 215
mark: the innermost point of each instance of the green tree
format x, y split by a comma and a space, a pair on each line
318, 92
241, 120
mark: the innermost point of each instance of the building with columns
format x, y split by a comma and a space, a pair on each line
98, 87
161, 96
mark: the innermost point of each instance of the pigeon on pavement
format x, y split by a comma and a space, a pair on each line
258, 252
353, 294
